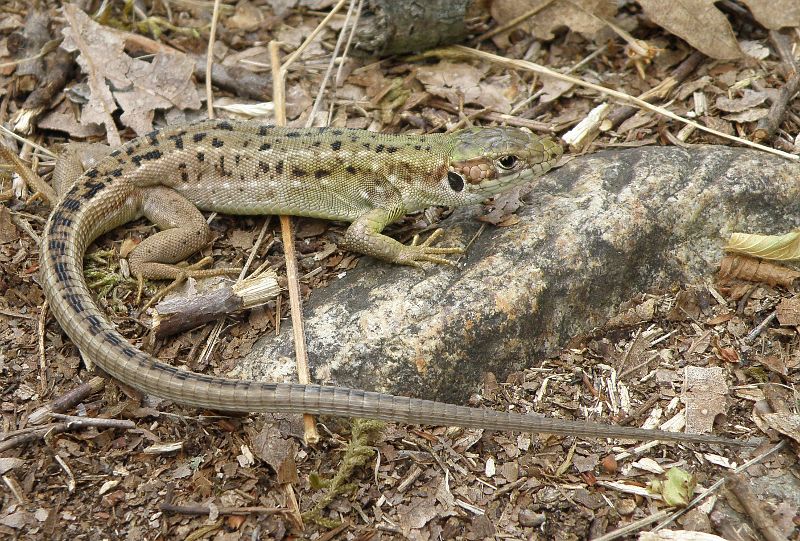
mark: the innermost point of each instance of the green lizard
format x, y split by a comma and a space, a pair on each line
247, 168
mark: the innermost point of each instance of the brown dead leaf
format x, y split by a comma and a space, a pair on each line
62, 118
77, 37
247, 17
8, 231
241, 238
722, 318
788, 312
750, 115
698, 22
139, 87
310, 227
271, 446
773, 363
633, 316
728, 355
752, 270
687, 306
505, 205
461, 83
775, 14
785, 423
582, 16
749, 99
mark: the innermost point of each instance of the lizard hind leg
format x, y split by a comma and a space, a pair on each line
184, 231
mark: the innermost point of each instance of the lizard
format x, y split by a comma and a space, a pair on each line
249, 168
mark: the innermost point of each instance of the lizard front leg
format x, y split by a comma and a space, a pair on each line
364, 236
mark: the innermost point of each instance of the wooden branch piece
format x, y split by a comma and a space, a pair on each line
175, 315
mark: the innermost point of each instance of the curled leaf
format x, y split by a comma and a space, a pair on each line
753, 270
775, 247
676, 489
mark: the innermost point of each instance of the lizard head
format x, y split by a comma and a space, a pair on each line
487, 161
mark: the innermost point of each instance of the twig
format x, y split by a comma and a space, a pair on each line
492, 116
210, 59
70, 477
536, 68
179, 314
31, 179
767, 126
661, 90
198, 509
741, 491
638, 412
205, 510
353, 28
67, 400
633, 526
52, 429
279, 71
514, 22
42, 358
752, 335
310, 433
99, 422
329, 70
21, 139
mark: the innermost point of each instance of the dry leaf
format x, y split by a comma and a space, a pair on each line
270, 445
775, 247
101, 103
773, 363
775, 14
139, 87
247, 17
698, 22
62, 118
752, 270
461, 83
644, 311
8, 231
582, 16
788, 312
748, 116
750, 98
722, 318
785, 423
687, 306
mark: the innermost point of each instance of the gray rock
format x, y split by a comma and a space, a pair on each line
594, 233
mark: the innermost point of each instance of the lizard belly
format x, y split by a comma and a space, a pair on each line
258, 198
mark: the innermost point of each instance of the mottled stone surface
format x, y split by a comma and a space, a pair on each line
592, 234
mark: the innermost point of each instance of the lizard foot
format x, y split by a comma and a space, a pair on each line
181, 274
416, 252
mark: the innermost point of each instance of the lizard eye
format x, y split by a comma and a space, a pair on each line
456, 181
507, 162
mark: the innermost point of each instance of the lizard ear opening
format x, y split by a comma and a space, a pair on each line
456, 181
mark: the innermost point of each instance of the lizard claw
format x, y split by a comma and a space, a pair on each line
417, 252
